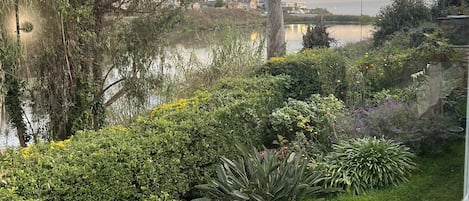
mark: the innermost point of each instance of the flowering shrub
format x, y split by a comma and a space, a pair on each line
180, 104
314, 117
159, 157
397, 120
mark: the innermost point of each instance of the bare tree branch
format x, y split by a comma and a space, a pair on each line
116, 96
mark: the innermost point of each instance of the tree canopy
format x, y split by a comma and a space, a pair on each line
89, 54
401, 14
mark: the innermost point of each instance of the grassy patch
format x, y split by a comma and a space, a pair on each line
440, 177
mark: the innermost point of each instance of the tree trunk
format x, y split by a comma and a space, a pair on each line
275, 30
21, 135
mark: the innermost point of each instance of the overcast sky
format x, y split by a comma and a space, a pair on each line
352, 7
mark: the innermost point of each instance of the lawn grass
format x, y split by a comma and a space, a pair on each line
439, 177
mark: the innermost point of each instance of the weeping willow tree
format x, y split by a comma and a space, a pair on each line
89, 54
10, 59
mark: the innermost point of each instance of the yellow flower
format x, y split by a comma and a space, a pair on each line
180, 104
277, 59
59, 144
26, 152
116, 129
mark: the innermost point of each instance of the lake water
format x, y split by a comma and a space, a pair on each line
349, 7
198, 43
343, 34
294, 37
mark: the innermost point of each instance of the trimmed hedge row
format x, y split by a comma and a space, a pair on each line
313, 71
160, 157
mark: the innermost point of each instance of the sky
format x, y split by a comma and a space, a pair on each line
348, 7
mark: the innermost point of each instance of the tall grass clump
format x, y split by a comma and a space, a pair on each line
359, 165
233, 55
265, 175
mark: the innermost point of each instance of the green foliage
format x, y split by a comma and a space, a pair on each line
397, 119
292, 118
318, 71
219, 3
263, 176
401, 14
438, 179
160, 157
233, 54
13, 86
103, 59
443, 8
359, 165
392, 65
317, 36
10, 195
330, 19
79, 168
314, 117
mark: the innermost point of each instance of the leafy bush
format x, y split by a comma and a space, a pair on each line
399, 15
317, 71
294, 117
361, 164
393, 65
159, 157
314, 117
113, 164
397, 120
265, 175
10, 195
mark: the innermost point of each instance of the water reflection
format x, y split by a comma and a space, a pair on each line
344, 34
200, 46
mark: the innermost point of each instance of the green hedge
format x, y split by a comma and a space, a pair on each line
10, 195
159, 157
314, 71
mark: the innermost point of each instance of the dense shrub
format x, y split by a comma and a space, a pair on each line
10, 195
265, 175
113, 164
318, 71
160, 157
361, 164
399, 15
317, 36
393, 65
314, 117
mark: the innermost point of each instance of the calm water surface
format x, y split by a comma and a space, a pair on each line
343, 34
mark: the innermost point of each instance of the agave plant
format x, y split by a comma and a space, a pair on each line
358, 165
263, 176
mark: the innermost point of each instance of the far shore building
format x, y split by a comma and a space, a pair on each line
293, 6
236, 4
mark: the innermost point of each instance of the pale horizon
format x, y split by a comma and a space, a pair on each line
349, 7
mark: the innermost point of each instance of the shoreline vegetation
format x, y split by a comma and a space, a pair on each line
330, 19
211, 18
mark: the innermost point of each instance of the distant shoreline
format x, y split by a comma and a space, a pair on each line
330, 19
211, 18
